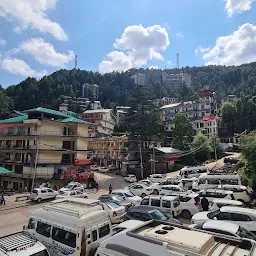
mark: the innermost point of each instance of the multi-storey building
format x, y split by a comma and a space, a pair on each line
91, 91
140, 79
107, 150
166, 101
202, 113
121, 113
83, 103
38, 143
104, 119
175, 81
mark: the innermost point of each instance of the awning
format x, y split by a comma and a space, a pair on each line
3, 170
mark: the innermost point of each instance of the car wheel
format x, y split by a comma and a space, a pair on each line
143, 195
155, 192
92, 252
186, 214
39, 200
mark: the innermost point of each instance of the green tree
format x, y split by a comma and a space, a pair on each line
202, 148
228, 111
182, 132
215, 142
6, 104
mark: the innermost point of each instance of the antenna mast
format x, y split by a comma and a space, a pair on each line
75, 61
178, 60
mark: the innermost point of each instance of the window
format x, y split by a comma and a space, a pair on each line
64, 237
184, 198
155, 202
42, 253
145, 217
240, 217
43, 191
73, 193
202, 182
31, 223
166, 204
223, 216
103, 231
94, 235
145, 201
213, 182
136, 215
43, 229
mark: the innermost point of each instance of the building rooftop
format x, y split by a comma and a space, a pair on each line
74, 120
173, 105
17, 119
97, 111
169, 150
47, 111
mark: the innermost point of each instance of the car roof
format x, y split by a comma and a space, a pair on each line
141, 208
130, 224
120, 190
162, 197
227, 201
237, 210
220, 191
232, 186
170, 185
225, 226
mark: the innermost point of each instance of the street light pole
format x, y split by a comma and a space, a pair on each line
141, 165
154, 160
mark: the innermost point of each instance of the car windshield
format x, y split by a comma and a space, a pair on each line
112, 205
118, 198
211, 215
157, 215
69, 186
42, 253
128, 194
245, 233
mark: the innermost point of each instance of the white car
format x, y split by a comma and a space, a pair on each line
72, 193
243, 217
112, 167
211, 194
72, 186
128, 195
94, 167
226, 228
115, 211
169, 189
127, 225
39, 194
147, 182
140, 189
219, 202
157, 177
103, 169
130, 178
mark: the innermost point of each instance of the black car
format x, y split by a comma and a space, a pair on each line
231, 160
116, 199
146, 213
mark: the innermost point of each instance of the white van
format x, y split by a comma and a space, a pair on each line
220, 202
192, 171
21, 244
213, 181
72, 226
170, 205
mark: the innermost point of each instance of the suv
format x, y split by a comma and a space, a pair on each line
39, 194
169, 189
72, 186
212, 194
116, 199
130, 178
157, 177
146, 213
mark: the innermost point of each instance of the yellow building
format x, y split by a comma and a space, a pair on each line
51, 139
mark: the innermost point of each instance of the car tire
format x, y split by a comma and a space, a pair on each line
39, 200
143, 195
92, 252
155, 192
186, 214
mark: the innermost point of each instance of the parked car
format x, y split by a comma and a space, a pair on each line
72, 186
39, 194
157, 186
170, 205
147, 182
128, 195
116, 212
112, 167
72, 193
220, 202
226, 228
126, 225
212, 194
140, 189
116, 199
94, 167
130, 178
243, 217
169, 189
231, 160
157, 177
189, 204
145, 213
103, 169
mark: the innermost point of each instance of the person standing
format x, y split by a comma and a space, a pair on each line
97, 186
205, 204
110, 189
2, 198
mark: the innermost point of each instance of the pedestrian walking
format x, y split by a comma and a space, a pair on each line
110, 189
2, 198
97, 186
205, 204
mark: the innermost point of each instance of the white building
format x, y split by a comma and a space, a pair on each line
166, 101
140, 79
104, 119
175, 81
202, 113
83, 103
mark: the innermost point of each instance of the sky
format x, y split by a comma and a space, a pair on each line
38, 37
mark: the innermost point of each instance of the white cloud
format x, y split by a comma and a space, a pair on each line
179, 35
20, 67
137, 46
116, 61
153, 67
2, 42
200, 49
234, 49
238, 6
45, 53
32, 14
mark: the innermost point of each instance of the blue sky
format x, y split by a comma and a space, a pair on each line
38, 37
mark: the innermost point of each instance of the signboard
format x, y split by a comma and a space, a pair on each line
83, 162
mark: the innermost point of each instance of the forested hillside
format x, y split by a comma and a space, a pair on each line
117, 87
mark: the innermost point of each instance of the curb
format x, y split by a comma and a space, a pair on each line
15, 206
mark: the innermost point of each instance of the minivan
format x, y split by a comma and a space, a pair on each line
192, 171
170, 205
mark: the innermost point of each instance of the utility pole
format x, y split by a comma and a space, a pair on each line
154, 160
141, 165
36, 159
215, 148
